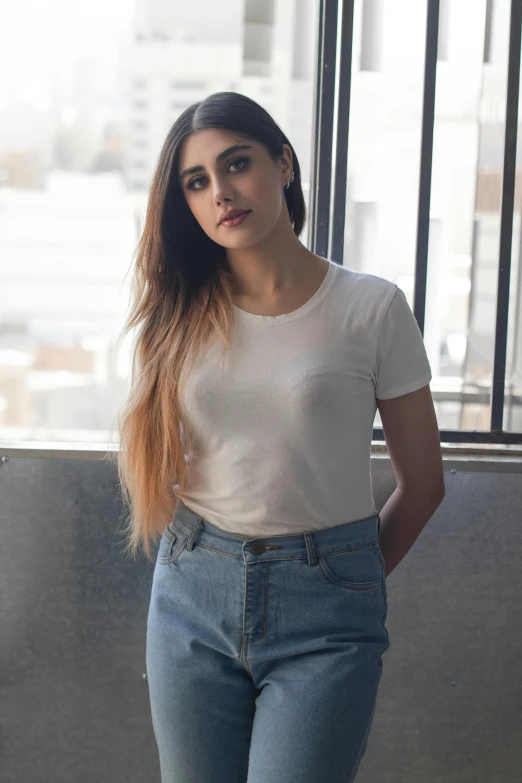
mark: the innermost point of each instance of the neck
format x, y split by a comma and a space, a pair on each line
263, 276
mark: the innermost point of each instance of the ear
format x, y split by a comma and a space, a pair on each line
287, 162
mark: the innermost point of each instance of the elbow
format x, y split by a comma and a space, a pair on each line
438, 493
432, 493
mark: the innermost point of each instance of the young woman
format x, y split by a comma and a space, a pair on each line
245, 442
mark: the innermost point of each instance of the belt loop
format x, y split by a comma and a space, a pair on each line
378, 526
195, 529
312, 559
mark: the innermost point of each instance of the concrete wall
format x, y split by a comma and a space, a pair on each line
74, 702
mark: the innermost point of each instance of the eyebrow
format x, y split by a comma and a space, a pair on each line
221, 156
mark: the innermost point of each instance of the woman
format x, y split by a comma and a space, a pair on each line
255, 382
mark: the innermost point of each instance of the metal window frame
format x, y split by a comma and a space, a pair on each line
328, 179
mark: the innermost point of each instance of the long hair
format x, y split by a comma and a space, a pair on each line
181, 301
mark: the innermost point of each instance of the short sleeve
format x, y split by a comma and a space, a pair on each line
401, 362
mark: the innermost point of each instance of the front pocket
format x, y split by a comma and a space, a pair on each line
171, 546
355, 569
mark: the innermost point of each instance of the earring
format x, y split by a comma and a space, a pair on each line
288, 183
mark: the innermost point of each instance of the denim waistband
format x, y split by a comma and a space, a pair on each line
294, 546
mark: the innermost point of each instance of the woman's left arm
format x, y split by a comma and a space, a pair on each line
413, 441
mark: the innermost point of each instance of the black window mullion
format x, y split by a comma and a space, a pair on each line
506, 218
316, 124
320, 184
343, 127
426, 157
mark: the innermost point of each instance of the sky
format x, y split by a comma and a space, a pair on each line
42, 39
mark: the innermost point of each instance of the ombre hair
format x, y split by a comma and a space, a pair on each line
181, 301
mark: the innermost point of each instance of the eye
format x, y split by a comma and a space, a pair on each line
243, 162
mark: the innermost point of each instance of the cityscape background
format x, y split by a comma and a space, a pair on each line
88, 95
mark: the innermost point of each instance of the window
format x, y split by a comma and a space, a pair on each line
411, 183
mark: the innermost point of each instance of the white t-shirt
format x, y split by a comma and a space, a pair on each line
284, 425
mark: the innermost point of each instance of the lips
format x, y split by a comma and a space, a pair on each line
233, 213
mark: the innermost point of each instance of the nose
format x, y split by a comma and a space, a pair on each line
221, 198
222, 192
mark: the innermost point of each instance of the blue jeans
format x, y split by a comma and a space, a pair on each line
263, 655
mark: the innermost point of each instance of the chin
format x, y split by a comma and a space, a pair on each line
237, 242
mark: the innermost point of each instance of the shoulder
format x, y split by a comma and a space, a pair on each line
370, 295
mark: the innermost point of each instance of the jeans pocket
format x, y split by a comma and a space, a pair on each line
354, 569
171, 546
379, 553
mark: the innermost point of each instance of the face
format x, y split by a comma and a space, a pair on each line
226, 179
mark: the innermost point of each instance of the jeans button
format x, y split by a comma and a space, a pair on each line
257, 548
